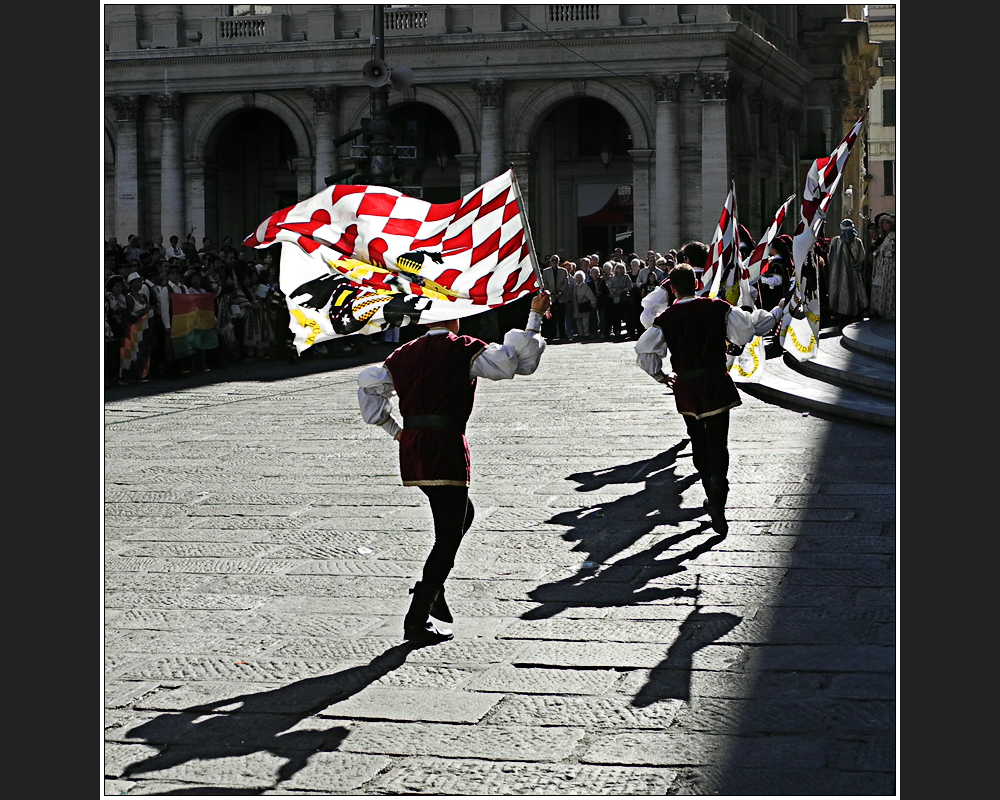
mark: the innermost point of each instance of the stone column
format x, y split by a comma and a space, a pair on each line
467, 175
171, 167
127, 212
522, 163
491, 95
194, 187
640, 200
325, 111
303, 169
714, 151
665, 223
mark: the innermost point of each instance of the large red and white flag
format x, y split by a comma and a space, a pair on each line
755, 260
801, 321
359, 259
723, 252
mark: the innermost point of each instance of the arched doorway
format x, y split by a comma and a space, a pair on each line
248, 173
433, 167
583, 179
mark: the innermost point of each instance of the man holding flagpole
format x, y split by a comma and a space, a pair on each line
695, 330
361, 259
434, 377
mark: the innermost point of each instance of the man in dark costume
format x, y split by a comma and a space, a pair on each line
696, 331
435, 377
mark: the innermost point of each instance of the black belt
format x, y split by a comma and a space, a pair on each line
434, 421
697, 373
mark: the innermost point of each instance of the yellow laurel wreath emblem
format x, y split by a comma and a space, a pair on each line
798, 345
756, 363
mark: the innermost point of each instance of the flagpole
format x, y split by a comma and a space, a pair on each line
527, 230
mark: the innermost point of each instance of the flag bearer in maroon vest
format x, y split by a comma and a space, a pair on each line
434, 377
697, 331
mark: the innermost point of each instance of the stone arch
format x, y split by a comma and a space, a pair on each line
208, 122
468, 134
532, 111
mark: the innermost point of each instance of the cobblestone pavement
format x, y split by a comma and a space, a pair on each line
259, 548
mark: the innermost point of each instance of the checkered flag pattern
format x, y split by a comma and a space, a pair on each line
447, 260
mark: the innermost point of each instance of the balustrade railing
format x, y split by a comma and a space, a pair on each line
405, 19
584, 12
242, 28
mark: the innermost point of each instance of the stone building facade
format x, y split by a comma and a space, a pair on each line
881, 187
625, 123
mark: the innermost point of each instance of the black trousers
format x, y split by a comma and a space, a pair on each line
453, 514
709, 443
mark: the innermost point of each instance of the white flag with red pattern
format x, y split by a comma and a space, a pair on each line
755, 261
801, 320
723, 252
359, 259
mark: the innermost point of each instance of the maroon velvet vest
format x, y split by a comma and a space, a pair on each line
431, 377
695, 332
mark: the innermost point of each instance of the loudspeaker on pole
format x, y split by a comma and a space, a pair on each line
401, 78
375, 73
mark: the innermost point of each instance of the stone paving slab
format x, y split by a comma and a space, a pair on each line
593, 630
493, 778
530, 680
681, 749
498, 743
590, 654
596, 712
420, 705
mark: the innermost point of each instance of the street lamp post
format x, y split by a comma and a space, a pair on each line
379, 136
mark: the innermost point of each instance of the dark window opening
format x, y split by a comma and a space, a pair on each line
815, 135
888, 107
888, 178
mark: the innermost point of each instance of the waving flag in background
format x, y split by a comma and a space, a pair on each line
359, 259
800, 324
724, 251
192, 323
759, 254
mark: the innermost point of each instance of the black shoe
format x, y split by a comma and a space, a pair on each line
715, 503
719, 523
439, 608
429, 634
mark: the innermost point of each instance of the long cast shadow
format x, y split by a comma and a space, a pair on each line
259, 722
671, 678
606, 529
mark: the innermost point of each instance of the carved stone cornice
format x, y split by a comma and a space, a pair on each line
491, 93
170, 105
666, 87
713, 85
324, 99
127, 108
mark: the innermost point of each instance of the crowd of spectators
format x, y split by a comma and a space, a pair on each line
251, 317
